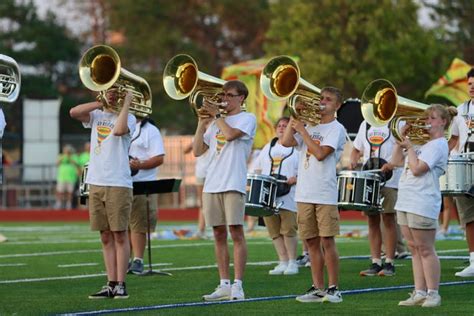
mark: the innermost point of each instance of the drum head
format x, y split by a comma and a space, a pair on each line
377, 163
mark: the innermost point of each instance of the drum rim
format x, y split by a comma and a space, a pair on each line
365, 175
256, 176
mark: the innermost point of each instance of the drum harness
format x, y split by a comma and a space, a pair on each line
378, 166
282, 188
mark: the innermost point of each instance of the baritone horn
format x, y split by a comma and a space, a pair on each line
280, 80
182, 79
380, 105
100, 70
10, 79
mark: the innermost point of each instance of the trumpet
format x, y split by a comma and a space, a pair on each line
182, 79
100, 70
280, 80
10, 79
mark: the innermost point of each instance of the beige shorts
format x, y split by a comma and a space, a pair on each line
226, 208
416, 221
317, 220
138, 221
281, 224
465, 208
389, 198
63, 187
109, 208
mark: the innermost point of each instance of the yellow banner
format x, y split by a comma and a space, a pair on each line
266, 111
453, 84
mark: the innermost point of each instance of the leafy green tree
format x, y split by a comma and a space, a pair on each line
350, 43
455, 18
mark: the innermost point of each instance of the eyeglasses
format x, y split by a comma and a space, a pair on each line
229, 95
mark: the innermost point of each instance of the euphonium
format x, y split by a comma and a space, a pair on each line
10, 79
182, 79
381, 105
100, 70
280, 80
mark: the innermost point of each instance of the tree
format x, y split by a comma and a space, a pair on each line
350, 43
455, 18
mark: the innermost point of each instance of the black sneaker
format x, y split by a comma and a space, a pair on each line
372, 271
302, 260
105, 292
136, 267
388, 269
120, 292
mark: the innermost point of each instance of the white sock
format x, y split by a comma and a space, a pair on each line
377, 261
388, 260
292, 261
139, 259
283, 263
305, 253
432, 291
238, 282
471, 258
421, 292
225, 282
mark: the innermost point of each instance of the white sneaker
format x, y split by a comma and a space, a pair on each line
414, 299
222, 293
432, 300
333, 295
279, 269
292, 268
308, 264
313, 295
237, 292
467, 272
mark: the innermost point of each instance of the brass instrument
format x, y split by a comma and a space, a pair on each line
280, 80
380, 105
10, 79
182, 79
100, 70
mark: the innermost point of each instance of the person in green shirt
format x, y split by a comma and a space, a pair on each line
67, 177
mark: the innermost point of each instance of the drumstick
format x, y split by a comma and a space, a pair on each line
373, 170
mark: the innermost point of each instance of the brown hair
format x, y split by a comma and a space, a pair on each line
334, 91
445, 112
283, 118
237, 85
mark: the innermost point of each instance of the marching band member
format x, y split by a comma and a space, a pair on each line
147, 152
275, 159
320, 148
419, 201
378, 142
110, 194
230, 141
464, 204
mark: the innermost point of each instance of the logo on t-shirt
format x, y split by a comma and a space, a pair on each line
376, 138
102, 133
276, 163
317, 139
220, 138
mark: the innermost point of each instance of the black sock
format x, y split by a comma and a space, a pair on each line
112, 284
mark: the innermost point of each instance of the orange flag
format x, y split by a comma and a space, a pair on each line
453, 84
266, 111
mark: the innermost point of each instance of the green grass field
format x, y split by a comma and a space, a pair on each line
51, 268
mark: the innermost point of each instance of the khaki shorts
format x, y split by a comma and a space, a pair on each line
389, 198
281, 224
62, 187
226, 208
416, 221
109, 208
317, 220
465, 208
138, 221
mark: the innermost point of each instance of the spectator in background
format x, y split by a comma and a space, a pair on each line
66, 178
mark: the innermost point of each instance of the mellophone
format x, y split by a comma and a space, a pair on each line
459, 176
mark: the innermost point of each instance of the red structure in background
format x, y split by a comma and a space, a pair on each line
80, 215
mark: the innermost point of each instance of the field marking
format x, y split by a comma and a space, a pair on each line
12, 264
85, 264
257, 299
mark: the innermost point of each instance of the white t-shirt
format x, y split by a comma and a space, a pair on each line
459, 128
146, 143
289, 168
317, 180
421, 195
202, 164
227, 169
378, 144
466, 112
3, 123
108, 165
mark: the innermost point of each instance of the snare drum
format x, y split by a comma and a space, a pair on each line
261, 195
83, 186
359, 190
459, 176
